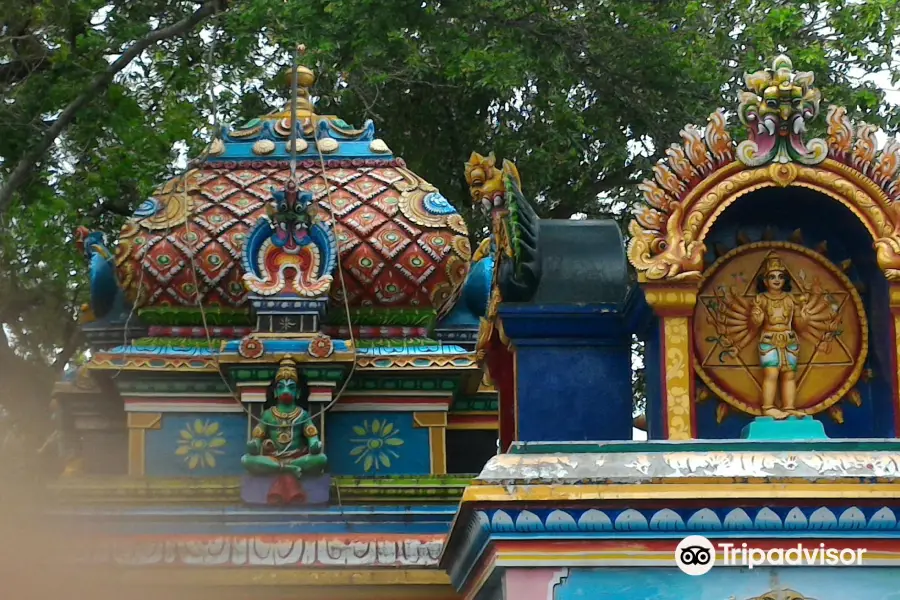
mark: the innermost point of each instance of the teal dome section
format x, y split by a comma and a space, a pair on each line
477, 289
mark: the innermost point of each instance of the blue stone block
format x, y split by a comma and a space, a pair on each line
790, 429
574, 392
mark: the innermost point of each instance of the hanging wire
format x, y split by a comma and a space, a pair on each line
214, 109
315, 120
293, 166
293, 140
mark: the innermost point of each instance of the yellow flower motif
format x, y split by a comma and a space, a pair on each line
200, 443
376, 444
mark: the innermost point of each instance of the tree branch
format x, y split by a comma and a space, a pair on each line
17, 70
23, 168
73, 341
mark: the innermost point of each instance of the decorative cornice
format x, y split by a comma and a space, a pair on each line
113, 491
673, 464
384, 551
422, 362
682, 521
473, 535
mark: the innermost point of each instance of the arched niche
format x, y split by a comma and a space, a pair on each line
842, 191
822, 224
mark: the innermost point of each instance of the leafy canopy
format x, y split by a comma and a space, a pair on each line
583, 96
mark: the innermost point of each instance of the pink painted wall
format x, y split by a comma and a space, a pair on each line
530, 584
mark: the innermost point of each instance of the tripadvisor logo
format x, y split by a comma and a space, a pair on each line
696, 555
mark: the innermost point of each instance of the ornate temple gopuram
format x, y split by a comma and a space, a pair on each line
306, 380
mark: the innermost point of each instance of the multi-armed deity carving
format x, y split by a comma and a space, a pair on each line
290, 239
285, 441
771, 327
775, 319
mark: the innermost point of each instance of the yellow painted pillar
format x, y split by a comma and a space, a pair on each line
674, 305
895, 324
138, 424
436, 422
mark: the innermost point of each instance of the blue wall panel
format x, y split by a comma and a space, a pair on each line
376, 443
196, 445
576, 392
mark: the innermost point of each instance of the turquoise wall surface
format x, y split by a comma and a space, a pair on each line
722, 583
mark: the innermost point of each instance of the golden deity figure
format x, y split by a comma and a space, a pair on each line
779, 331
778, 315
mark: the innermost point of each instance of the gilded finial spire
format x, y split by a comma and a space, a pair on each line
302, 102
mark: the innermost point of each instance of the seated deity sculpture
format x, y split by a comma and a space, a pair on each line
285, 440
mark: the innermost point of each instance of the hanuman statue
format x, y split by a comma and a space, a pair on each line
285, 440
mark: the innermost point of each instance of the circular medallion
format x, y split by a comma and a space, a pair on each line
775, 320
321, 346
251, 348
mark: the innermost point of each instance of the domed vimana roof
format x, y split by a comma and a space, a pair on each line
404, 249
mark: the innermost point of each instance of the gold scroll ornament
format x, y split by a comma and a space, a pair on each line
743, 323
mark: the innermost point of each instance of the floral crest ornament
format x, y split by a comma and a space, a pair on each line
660, 246
775, 108
376, 444
200, 443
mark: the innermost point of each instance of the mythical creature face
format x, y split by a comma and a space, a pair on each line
90, 243
783, 104
485, 181
775, 108
291, 215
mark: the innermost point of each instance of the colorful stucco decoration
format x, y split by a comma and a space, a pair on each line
403, 248
776, 107
291, 238
788, 309
512, 244
691, 190
700, 178
663, 240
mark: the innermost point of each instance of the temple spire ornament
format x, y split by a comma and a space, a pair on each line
775, 108
289, 258
303, 106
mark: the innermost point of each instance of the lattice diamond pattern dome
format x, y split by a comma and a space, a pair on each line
402, 245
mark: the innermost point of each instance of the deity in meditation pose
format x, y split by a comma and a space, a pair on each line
285, 440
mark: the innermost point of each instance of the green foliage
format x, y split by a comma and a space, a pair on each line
582, 96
